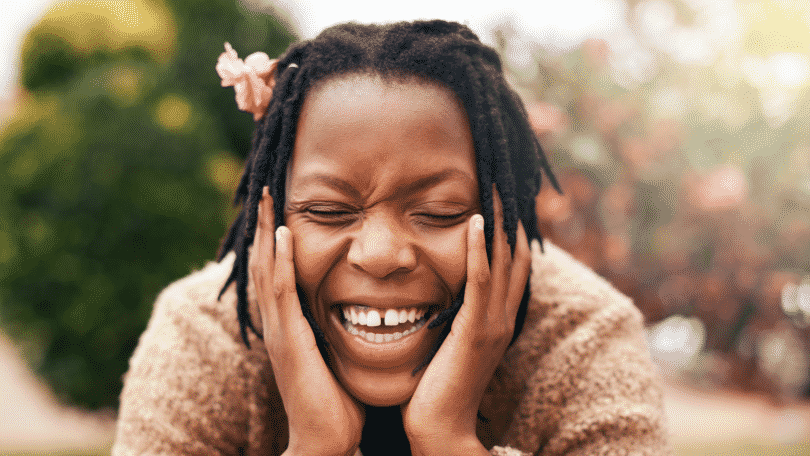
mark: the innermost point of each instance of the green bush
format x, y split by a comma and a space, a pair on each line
118, 168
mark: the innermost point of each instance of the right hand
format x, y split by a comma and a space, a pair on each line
323, 418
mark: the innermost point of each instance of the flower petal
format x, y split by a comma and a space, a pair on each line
260, 62
252, 79
230, 67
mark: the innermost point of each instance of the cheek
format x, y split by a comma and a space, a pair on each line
314, 253
446, 252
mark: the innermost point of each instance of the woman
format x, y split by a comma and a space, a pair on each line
379, 270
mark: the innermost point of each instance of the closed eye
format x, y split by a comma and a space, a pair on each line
325, 214
439, 220
443, 216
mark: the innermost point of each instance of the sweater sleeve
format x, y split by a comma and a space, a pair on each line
587, 384
190, 378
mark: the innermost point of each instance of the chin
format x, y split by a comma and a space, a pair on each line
376, 388
379, 373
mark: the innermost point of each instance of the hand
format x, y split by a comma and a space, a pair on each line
323, 418
441, 416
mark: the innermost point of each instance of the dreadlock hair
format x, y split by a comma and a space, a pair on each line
507, 151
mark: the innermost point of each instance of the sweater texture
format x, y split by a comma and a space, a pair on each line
577, 381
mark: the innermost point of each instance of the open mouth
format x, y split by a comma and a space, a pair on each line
383, 325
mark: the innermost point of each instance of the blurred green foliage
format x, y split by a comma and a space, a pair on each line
118, 168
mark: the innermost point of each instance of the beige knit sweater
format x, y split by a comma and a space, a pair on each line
578, 380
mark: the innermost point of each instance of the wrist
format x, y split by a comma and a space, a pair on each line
308, 452
319, 449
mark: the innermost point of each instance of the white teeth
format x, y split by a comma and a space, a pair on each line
366, 316
391, 317
373, 318
379, 337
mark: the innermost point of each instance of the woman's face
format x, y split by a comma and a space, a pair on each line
380, 188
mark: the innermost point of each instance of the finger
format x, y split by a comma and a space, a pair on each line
297, 334
478, 274
263, 240
266, 215
261, 258
284, 277
519, 275
501, 255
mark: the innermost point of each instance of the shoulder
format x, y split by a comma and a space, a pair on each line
573, 316
193, 302
189, 371
580, 373
558, 279
568, 298
197, 326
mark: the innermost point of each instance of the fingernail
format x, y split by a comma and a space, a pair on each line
478, 221
265, 191
278, 234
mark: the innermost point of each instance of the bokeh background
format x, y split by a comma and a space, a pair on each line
678, 128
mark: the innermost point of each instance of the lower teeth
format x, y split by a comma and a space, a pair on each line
380, 338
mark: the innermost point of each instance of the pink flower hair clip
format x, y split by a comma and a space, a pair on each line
252, 79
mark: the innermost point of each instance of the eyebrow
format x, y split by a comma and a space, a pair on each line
419, 184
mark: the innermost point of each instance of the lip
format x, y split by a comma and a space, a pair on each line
383, 302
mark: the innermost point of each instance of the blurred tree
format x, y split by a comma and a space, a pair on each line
118, 168
683, 148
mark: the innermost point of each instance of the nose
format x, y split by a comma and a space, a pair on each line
381, 248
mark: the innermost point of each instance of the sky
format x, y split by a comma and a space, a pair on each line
558, 24
568, 21
17, 17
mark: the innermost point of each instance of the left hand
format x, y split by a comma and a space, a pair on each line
441, 416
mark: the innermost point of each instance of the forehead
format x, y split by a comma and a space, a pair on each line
364, 127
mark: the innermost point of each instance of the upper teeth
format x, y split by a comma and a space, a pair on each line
367, 316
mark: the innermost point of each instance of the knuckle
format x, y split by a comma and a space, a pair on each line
500, 327
489, 340
260, 221
278, 293
463, 323
523, 259
522, 250
482, 277
256, 271
499, 216
282, 289
502, 340
499, 336
479, 344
